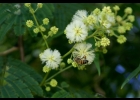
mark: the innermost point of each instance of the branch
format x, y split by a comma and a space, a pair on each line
8, 51
20, 44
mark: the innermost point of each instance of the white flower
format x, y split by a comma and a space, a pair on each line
80, 15
88, 20
76, 31
107, 24
51, 58
84, 49
110, 17
101, 17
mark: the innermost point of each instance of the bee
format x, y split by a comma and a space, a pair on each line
81, 61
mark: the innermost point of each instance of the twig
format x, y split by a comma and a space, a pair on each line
8, 51
20, 44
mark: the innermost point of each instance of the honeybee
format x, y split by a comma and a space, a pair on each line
81, 61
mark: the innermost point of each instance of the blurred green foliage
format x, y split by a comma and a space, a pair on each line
108, 84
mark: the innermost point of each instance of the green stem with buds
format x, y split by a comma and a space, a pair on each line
42, 82
40, 31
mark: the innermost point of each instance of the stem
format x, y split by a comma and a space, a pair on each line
42, 82
59, 87
36, 9
67, 53
125, 15
21, 48
96, 38
40, 31
116, 12
92, 35
115, 35
8, 51
59, 72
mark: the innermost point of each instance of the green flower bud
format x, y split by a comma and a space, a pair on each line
39, 5
128, 10
121, 39
105, 42
128, 25
53, 83
107, 9
45, 21
62, 64
70, 42
54, 29
47, 88
116, 8
46, 69
45, 36
29, 23
36, 30
27, 4
83, 67
104, 50
131, 18
96, 11
74, 64
98, 44
118, 18
69, 61
50, 33
121, 29
42, 28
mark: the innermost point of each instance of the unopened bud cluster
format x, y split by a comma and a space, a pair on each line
39, 28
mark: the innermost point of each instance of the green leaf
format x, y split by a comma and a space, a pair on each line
48, 10
30, 82
45, 12
134, 73
6, 27
61, 94
2, 17
80, 93
73, 93
25, 67
8, 92
97, 64
21, 78
18, 28
21, 89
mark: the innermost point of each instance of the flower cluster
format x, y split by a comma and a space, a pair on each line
39, 28
102, 24
99, 25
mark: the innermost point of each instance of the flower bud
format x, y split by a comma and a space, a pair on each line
53, 83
